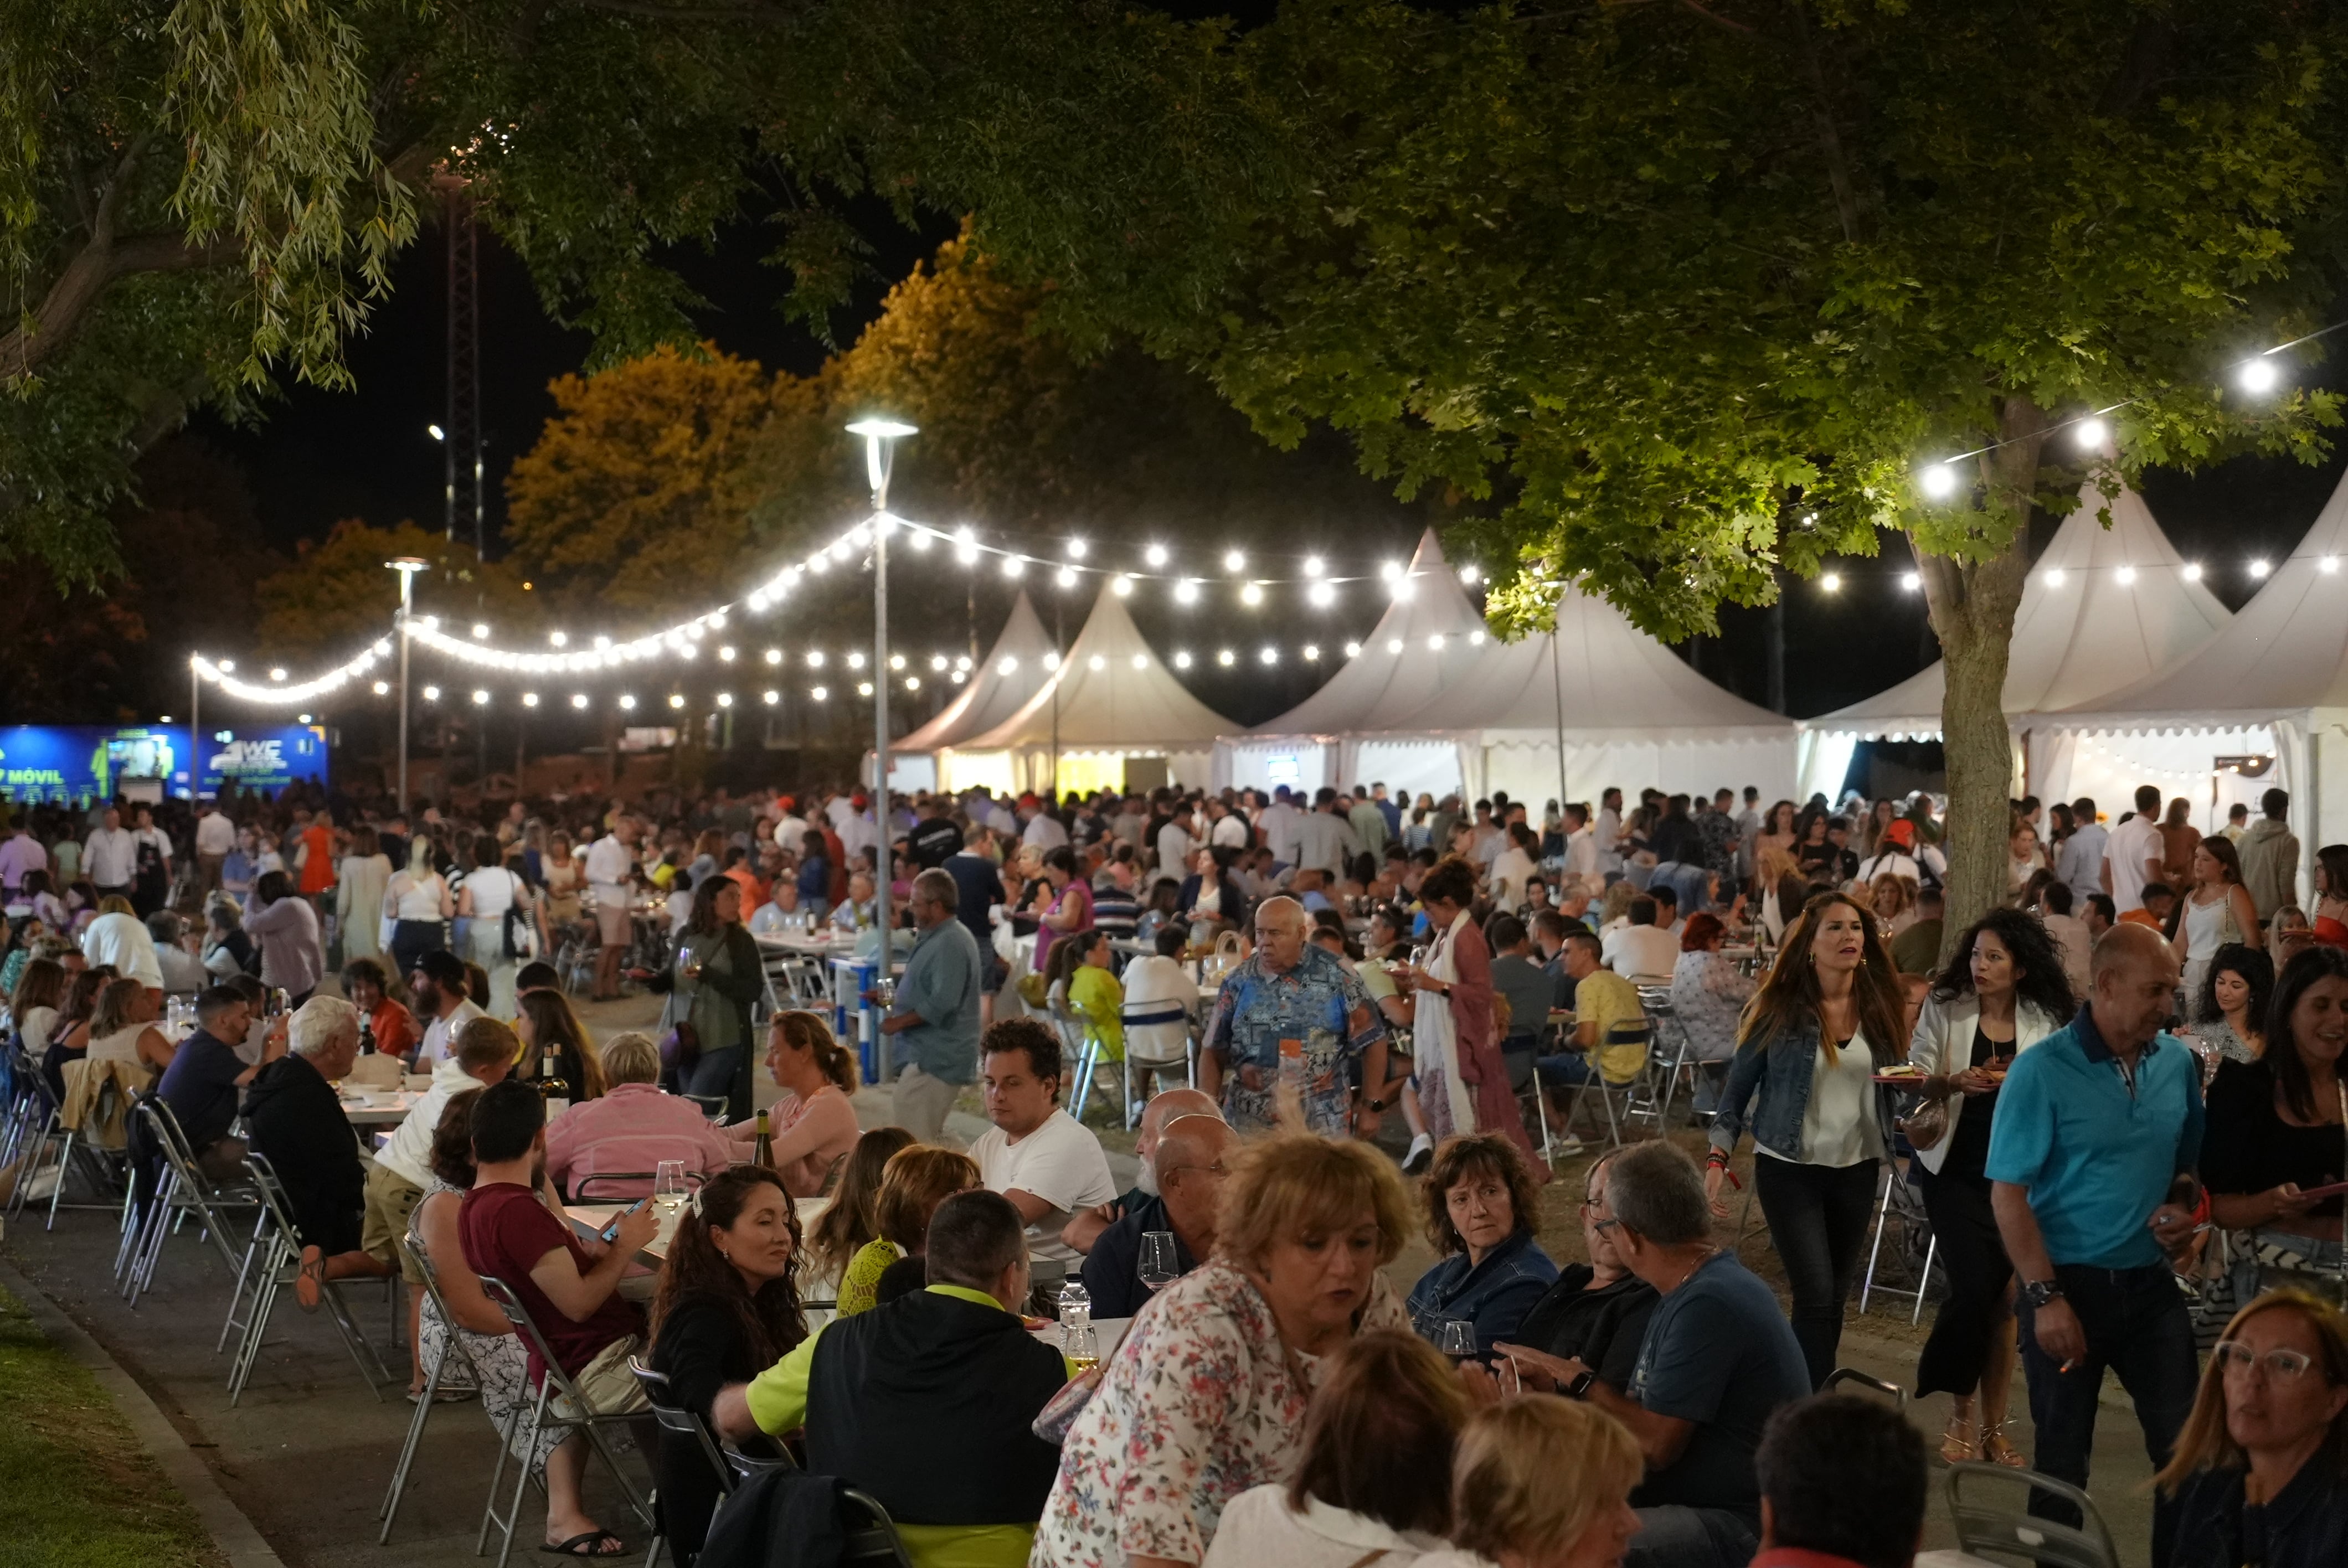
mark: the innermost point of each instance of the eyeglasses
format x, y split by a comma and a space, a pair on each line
1602, 1227
2279, 1365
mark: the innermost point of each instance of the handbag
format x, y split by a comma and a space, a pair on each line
1926, 1125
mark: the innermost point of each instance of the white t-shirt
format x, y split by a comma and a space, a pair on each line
2132, 844
215, 834
1230, 832
1061, 1162
1510, 871
440, 1035
492, 887
1175, 847
1640, 950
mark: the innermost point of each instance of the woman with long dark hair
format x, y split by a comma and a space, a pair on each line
557, 1045
2003, 992
2330, 922
849, 1223
2278, 1127
726, 1309
2229, 1011
1827, 1019
712, 981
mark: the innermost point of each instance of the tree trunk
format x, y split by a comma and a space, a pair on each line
1973, 606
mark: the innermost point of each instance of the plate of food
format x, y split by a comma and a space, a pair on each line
1901, 1074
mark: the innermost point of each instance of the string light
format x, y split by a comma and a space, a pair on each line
1227, 657
2091, 433
530, 698
771, 697
2193, 571
627, 700
1122, 585
1315, 566
1251, 595
817, 693
1156, 554
1321, 595
2125, 576
1186, 591
579, 699
2054, 575
2258, 375
1234, 561
1181, 661
1831, 582
2258, 568
1938, 481
1910, 580
1269, 656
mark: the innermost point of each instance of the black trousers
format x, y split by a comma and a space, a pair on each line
1817, 1218
1974, 1255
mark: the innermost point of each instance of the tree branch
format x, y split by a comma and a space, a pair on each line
1846, 193
764, 15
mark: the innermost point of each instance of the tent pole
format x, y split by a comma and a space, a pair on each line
1557, 690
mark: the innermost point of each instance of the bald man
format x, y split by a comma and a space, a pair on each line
1293, 1012
2091, 1157
1191, 1170
1086, 1228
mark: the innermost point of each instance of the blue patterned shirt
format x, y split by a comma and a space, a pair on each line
1320, 1004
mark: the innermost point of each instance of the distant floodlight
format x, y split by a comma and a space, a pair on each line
1938, 481
2091, 434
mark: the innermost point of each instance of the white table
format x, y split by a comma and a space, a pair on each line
382, 1107
589, 1220
1108, 1331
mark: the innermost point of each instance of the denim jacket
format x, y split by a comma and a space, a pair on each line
1494, 1294
1779, 1068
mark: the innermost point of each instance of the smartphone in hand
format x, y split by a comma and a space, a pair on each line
610, 1233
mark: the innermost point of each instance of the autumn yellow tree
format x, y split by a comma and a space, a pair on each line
336, 596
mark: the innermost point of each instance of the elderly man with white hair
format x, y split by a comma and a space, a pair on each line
298, 1124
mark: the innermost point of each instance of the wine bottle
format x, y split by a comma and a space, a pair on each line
762, 1151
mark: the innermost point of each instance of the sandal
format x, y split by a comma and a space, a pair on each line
1997, 1451
1962, 1442
310, 1282
588, 1544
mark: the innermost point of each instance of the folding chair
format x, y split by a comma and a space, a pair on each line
546, 1415
1609, 1093
872, 1538
272, 1259
1874, 1385
1897, 1202
181, 1191
95, 1157
2003, 1533
452, 1343
684, 1423
1678, 1049
1080, 1041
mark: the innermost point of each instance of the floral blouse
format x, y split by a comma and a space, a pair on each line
1200, 1402
1708, 995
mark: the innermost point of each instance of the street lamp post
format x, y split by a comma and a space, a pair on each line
406, 566
879, 435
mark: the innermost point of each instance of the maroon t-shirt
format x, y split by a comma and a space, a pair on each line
505, 1231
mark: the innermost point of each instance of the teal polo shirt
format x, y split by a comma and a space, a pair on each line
2096, 1155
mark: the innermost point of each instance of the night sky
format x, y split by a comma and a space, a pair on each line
321, 457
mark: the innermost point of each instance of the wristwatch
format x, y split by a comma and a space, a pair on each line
1579, 1386
2038, 1293
1369, 1103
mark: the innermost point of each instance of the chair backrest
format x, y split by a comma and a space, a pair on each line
684, 1423
579, 1194
2013, 1533
1874, 1385
525, 1328
871, 1533
712, 1105
272, 1197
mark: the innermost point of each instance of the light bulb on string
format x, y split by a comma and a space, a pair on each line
864, 688
1251, 595
1141, 661
1353, 650
2125, 576
725, 699
817, 693
2258, 568
1234, 561
1181, 659
1315, 566
432, 693
727, 653
1393, 644
965, 545
2328, 565
771, 697
1067, 577
2258, 375
1390, 571
1121, 585
2192, 572
1155, 555
2091, 433
1312, 652
579, 699
676, 699
627, 700
1321, 595
1831, 582
1013, 566
1269, 656
1226, 658
2054, 575
1075, 549
557, 638
1186, 591
383, 688
1938, 480
1910, 580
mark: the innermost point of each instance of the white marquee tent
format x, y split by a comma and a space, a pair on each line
1111, 704
2272, 683
2102, 609
1013, 670
1626, 711
1430, 635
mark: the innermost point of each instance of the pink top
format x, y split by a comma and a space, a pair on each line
811, 1135
633, 1128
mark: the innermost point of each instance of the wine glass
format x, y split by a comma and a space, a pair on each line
1459, 1339
1158, 1266
1081, 1346
668, 1188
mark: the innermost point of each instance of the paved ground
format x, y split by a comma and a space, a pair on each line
308, 1452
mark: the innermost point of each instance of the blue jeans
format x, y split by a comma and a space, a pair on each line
1567, 1070
2134, 1324
713, 1075
1678, 1536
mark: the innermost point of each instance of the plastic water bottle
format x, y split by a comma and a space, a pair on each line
1075, 1305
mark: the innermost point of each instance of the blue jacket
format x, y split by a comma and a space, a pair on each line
1779, 1068
1494, 1294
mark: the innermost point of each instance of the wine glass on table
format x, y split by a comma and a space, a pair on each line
1083, 1348
669, 1191
1158, 1266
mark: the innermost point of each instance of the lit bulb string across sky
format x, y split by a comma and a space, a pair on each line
956, 671
2259, 374
684, 638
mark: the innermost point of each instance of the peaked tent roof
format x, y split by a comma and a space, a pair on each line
1398, 670
1113, 695
1012, 671
2284, 654
1616, 683
2076, 640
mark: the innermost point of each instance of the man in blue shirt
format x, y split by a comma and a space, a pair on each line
1293, 1008
933, 1021
2090, 1159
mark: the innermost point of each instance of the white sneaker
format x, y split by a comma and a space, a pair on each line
1565, 1148
1422, 1154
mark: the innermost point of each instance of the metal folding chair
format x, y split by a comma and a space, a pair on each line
1897, 1203
873, 1537
273, 1258
182, 1192
685, 1424
1608, 1094
1081, 1043
452, 1344
546, 1415
1872, 1383
68, 1140
2005, 1534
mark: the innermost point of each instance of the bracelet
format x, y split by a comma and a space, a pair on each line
1716, 1160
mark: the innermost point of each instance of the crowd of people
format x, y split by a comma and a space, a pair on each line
1461, 966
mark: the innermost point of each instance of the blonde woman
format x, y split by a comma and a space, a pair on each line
1540, 1479
418, 904
913, 1184
1894, 901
